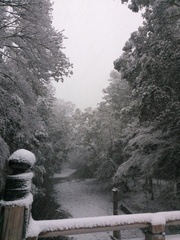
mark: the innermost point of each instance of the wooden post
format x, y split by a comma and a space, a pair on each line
17, 199
155, 232
116, 234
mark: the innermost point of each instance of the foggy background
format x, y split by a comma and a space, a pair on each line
97, 31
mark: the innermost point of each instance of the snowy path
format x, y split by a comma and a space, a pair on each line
83, 198
65, 173
86, 199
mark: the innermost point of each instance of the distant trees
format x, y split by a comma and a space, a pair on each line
59, 133
97, 132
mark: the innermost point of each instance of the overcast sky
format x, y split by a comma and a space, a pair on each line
97, 31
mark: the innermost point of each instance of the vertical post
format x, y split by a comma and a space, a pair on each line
17, 199
116, 234
155, 232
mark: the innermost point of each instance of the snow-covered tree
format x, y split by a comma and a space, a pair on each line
31, 56
150, 64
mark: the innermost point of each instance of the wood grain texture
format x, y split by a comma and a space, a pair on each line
12, 223
74, 231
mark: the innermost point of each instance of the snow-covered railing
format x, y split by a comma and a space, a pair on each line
16, 223
154, 223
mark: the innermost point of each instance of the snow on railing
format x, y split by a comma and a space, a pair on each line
153, 222
16, 223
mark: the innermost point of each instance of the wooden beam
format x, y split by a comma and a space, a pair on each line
116, 234
152, 222
74, 231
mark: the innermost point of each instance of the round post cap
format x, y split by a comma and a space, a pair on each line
21, 160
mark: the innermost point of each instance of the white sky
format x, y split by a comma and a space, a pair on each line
97, 31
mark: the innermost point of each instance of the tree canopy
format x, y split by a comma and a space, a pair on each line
31, 57
150, 64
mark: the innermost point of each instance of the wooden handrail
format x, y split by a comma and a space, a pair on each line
154, 222
84, 230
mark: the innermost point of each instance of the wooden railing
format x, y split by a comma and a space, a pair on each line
17, 224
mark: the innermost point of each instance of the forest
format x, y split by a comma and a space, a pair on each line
134, 133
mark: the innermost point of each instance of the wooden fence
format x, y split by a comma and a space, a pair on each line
16, 222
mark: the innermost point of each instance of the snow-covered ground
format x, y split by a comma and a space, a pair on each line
86, 198
65, 173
